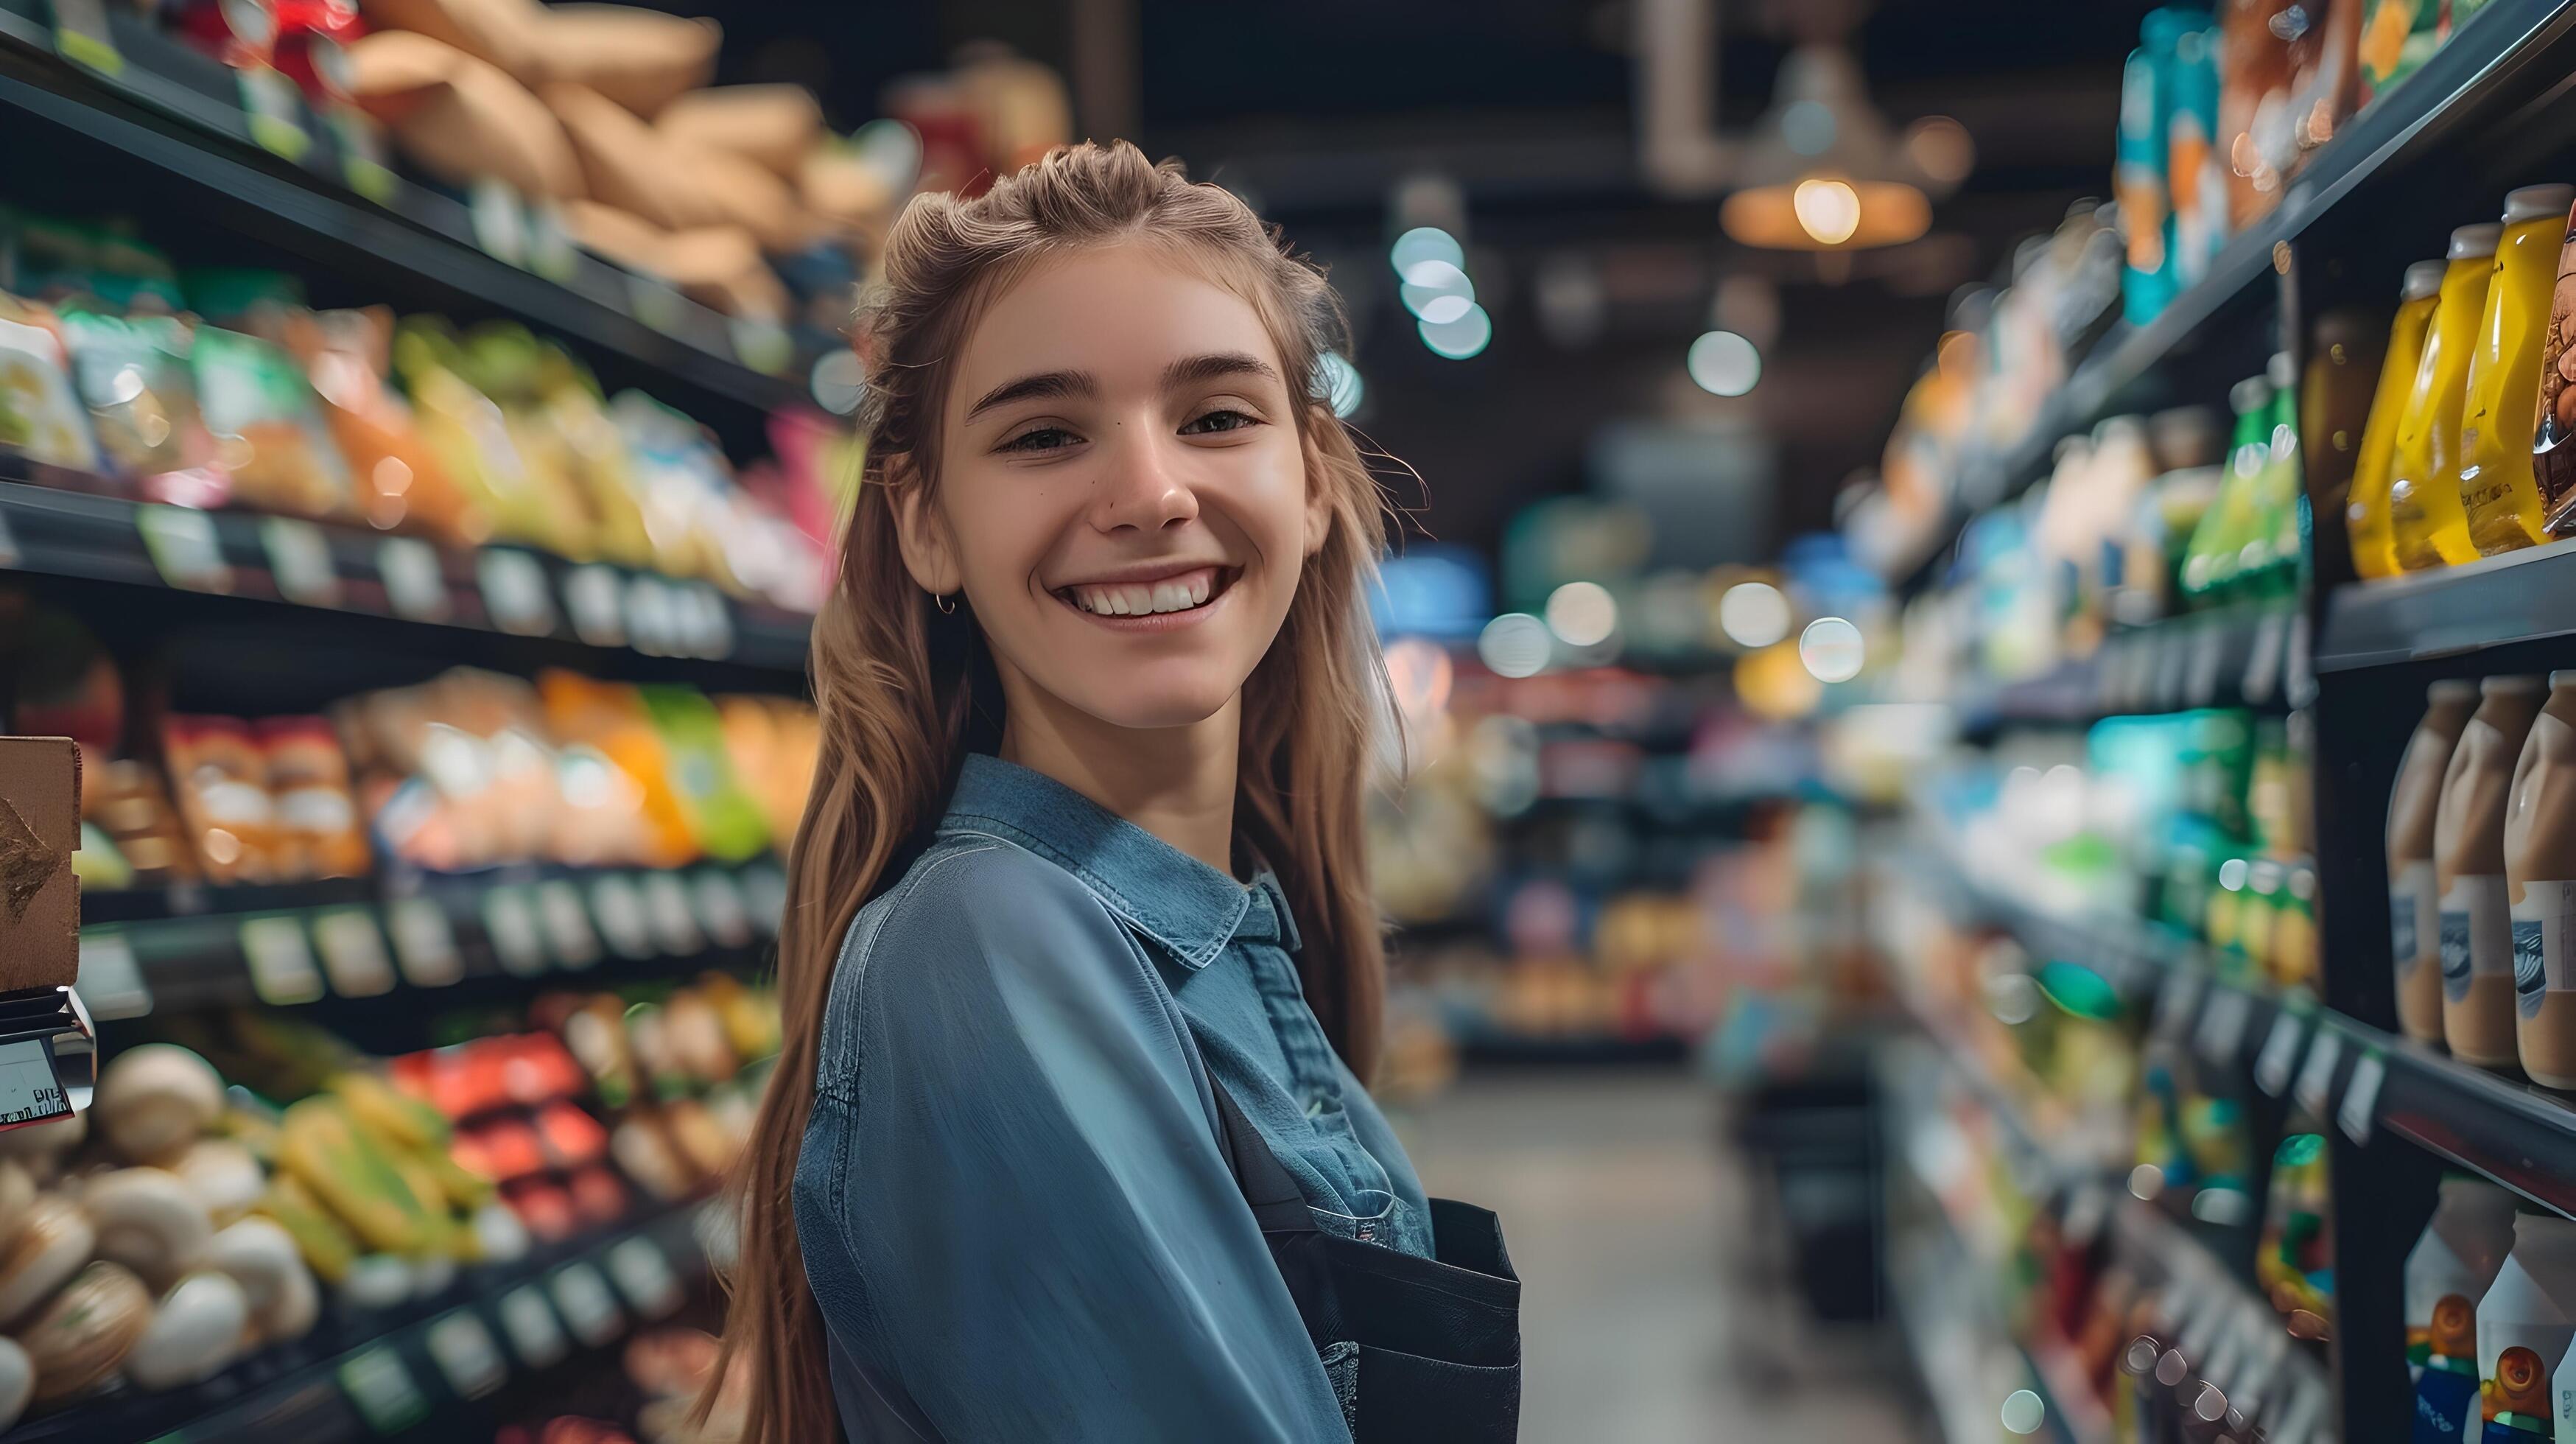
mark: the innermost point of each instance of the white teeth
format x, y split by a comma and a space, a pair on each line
1199, 591
1139, 600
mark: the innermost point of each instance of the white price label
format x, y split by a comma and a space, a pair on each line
620, 908
592, 594
466, 1355
2222, 1026
2298, 670
762, 344
655, 304
2087, 1209
110, 984
275, 111
702, 623
424, 943
299, 558
567, 926
2280, 1052
415, 584
652, 617
2208, 654
2176, 1003
82, 37
514, 592
376, 1381
536, 1336
362, 153
30, 1090
2316, 1076
353, 953
2361, 1097
500, 221
587, 1304
550, 248
644, 1276
518, 944
764, 895
666, 908
720, 909
184, 548
2263, 665
281, 961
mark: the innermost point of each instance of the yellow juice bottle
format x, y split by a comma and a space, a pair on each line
2374, 552
2497, 491
2426, 525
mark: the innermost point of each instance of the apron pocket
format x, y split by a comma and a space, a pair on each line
1342, 1370
1408, 1399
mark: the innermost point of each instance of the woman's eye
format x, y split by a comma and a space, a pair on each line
1044, 438
1223, 419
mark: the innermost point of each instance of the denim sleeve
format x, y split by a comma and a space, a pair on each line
1051, 1244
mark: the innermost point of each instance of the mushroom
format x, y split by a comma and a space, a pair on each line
197, 1330
77, 1341
155, 1100
41, 1146
223, 1176
50, 1247
17, 1195
260, 1255
148, 1221
17, 1382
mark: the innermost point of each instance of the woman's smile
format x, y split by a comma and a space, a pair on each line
1150, 599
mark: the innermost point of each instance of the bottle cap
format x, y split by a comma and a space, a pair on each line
2281, 371
2532, 203
2451, 689
2423, 279
2510, 686
2562, 678
2468, 243
2251, 394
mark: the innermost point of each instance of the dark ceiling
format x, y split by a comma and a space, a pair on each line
1318, 110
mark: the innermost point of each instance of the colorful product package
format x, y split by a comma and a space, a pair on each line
222, 782
723, 819
2195, 168
134, 374
268, 427
308, 781
2138, 180
400, 483
40, 412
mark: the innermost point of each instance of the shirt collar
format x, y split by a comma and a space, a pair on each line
1190, 908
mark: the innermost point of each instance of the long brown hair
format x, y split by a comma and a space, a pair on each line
904, 691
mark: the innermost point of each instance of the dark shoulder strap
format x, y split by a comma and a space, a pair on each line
1277, 1203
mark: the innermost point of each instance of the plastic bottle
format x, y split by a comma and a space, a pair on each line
2497, 491
2414, 902
2468, 867
2448, 1272
2540, 882
2195, 169
2210, 564
2427, 527
2366, 513
2269, 562
2138, 175
2524, 1325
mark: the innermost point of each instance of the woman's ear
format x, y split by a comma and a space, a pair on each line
921, 530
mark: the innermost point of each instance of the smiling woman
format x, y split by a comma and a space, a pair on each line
1069, 1137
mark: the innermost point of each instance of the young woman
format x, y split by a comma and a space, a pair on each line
1081, 972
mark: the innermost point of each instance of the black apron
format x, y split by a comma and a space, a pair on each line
1420, 1350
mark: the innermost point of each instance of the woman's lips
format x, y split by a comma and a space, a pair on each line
1176, 600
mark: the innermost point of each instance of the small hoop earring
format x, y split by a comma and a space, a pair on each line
947, 605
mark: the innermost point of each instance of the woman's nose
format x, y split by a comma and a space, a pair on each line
1142, 489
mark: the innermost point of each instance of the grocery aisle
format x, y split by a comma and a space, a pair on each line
1645, 1315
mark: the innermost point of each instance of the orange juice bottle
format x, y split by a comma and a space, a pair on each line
2374, 553
2426, 525
2497, 492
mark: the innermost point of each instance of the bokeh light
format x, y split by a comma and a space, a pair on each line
1831, 649
1341, 384
2023, 1412
1515, 644
1753, 614
1724, 364
1462, 338
1828, 210
1582, 614
1425, 243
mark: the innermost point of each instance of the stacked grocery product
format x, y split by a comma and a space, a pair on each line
2463, 456
121, 372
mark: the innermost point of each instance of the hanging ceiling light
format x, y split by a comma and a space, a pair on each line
1823, 173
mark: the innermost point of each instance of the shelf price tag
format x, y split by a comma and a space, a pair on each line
281, 960
586, 1303
275, 112
415, 584
2298, 669
2361, 1097
2316, 1076
651, 616
567, 926
110, 985
764, 895
30, 1090
500, 222
423, 943
183, 547
761, 344
529, 1322
622, 921
2222, 1026
666, 908
511, 923
720, 909
514, 591
2175, 1003
362, 153
353, 953
550, 250
592, 593
466, 1354
81, 36
705, 622
2280, 1051
644, 1276
2263, 665
655, 304
376, 1381
300, 559
2208, 654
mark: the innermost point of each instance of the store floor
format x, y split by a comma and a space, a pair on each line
1649, 1315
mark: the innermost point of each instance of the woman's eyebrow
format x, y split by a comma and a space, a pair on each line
1043, 385
1191, 370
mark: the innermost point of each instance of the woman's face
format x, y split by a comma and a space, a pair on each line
1122, 489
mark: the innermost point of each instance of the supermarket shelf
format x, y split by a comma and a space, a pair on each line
2253, 655
2472, 80
64, 528
201, 948
1513, 1050
424, 1364
181, 115
2518, 597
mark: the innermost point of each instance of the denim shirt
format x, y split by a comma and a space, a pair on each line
1010, 1199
